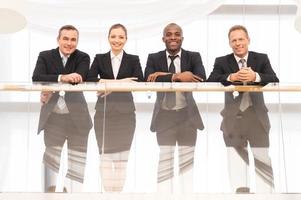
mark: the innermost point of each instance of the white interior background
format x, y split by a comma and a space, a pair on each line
205, 23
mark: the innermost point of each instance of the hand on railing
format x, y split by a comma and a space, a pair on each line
45, 96
129, 79
186, 77
152, 77
73, 78
103, 94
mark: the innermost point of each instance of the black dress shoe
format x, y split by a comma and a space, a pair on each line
243, 190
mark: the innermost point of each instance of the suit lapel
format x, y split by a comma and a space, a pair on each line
163, 61
184, 61
123, 66
69, 67
58, 63
232, 63
251, 62
108, 65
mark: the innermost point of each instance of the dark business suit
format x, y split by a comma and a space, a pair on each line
190, 61
252, 125
57, 127
119, 106
175, 126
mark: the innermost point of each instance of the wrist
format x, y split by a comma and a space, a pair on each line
231, 77
59, 78
173, 77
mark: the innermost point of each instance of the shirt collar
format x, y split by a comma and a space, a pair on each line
63, 56
178, 54
119, 56
238, 58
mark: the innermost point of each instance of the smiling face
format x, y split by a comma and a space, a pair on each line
117, 39
239, 42
67, 41
173, 38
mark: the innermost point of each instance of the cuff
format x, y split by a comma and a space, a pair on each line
59, 78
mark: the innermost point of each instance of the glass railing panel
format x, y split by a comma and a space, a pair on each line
16, 139
211, 174
244, 141
63, 122
115, 127
289, 137
127, 154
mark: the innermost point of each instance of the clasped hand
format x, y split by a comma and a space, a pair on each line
152, 77
245, 74
73, 78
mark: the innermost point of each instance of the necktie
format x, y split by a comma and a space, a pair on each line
246, 101
170, 97
61, 101
64, 60
242, 63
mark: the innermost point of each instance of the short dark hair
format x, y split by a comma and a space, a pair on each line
67, 27
115, 26
172, 24
238, 27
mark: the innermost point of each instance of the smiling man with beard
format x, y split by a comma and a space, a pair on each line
175, 117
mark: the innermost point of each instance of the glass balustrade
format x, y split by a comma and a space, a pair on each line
111, 147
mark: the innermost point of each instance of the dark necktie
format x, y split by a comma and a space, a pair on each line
170, 97
245, 99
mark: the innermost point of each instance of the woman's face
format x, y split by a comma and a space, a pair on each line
117, 40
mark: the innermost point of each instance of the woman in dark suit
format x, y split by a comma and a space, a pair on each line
115, 119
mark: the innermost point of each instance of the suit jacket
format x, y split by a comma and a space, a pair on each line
190, 61
48, 67
101, 68
226, 65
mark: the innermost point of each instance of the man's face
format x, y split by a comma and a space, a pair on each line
239, 42
173, 39
67, 41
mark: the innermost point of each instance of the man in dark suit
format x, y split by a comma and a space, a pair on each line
64, 115
245, 117
175, 117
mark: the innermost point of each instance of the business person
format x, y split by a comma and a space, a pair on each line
64, 115
245, 116
115, 118
175, 117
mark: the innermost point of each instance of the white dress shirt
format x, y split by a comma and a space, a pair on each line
116, 62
